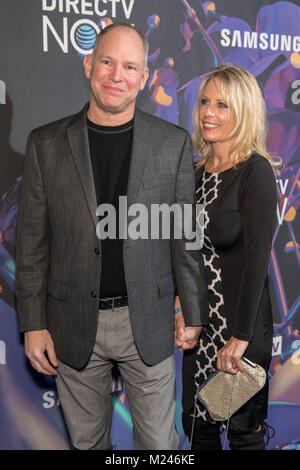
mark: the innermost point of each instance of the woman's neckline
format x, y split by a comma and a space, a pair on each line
218, 172
228, 162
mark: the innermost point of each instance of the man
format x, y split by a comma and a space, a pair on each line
84, 303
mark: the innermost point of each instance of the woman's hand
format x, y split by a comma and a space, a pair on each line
229, 357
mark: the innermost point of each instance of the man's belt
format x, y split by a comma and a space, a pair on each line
115, 302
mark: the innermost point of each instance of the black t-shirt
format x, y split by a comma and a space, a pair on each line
110, 149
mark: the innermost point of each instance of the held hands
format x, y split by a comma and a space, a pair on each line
36, 344
185, 337
229, 357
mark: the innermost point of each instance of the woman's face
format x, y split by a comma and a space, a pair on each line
216, 117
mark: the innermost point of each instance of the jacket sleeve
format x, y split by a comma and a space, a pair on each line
187, 263
32, 245
258, 217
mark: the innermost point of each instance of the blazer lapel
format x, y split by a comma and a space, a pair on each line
79, 143
141, 151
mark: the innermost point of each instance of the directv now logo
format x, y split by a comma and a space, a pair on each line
81, 33
2, 92
2, 352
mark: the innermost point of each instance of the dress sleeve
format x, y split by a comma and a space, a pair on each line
258, 219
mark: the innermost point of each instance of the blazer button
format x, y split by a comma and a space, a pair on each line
97, 251
93, 294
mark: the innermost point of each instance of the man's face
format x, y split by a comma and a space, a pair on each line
117, 71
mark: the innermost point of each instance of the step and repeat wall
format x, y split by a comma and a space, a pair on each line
43, 43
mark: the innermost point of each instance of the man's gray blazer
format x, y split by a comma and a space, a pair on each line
59, 253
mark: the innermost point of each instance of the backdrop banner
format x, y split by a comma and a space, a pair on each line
43, 43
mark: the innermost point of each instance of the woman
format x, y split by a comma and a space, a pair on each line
236, 185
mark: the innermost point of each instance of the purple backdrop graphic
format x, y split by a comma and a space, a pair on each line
44, 81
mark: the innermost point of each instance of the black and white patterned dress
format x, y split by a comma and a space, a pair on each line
212, 337
239, 209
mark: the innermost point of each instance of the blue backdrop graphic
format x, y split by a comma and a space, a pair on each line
43, 43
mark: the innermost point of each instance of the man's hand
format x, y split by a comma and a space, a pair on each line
192, 334
179, 333
185, 337
229, 357
36, 344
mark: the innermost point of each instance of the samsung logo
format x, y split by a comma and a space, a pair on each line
263, 41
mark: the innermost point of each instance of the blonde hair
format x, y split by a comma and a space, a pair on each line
242, 94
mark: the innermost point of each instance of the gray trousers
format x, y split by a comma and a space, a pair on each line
85, 395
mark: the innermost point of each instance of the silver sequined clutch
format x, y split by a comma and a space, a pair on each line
223, 394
